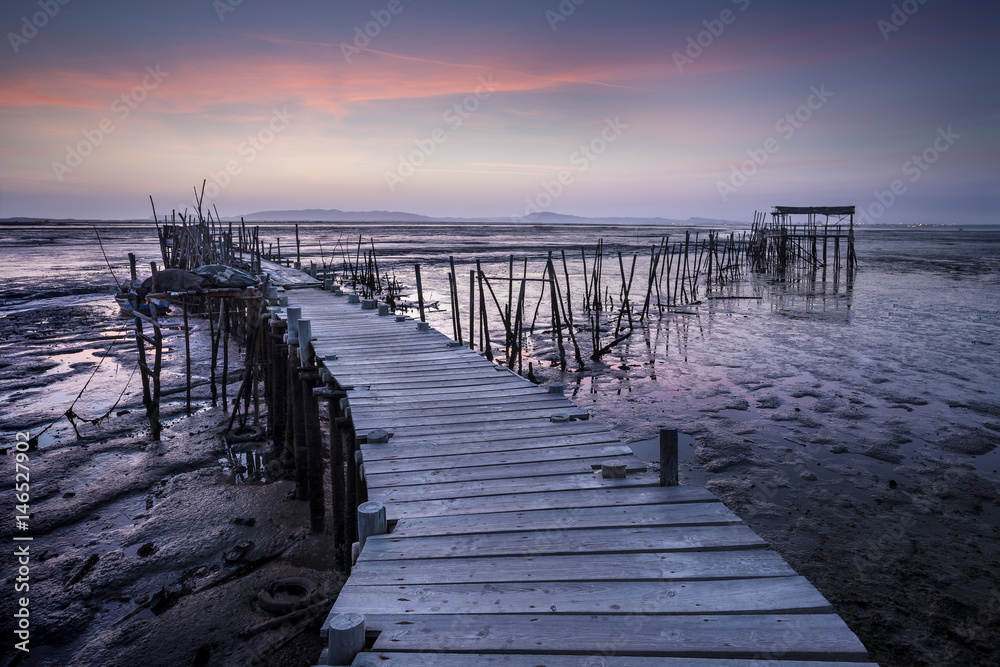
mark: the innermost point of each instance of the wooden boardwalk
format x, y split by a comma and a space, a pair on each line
508, 547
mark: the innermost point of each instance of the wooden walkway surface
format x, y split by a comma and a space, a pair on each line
507, 546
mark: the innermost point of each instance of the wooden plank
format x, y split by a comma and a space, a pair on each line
433, 384
488, 402
413, 448
403, 376
634, 566
678, 514
537, 543
432, 460
445, 474
499, 487
792, 636
363, 420
513, 389
422, 659
538, 425
537, 499
514, 434
783, 595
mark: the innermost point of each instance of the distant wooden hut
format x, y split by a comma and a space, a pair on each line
791, 239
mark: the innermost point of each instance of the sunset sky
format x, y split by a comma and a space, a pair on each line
465, 108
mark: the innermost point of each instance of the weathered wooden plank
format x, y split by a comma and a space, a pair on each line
432, 461
513, 435
537, 499
363, 420
782, 595
537, 543
513, 389
632, 566
539, 425
457, 406
407, 448
676, 514
444, 474
446, 409
791, 636
498, 487
433, 384
422, 659
421, 376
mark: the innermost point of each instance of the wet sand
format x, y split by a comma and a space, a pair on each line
150, 552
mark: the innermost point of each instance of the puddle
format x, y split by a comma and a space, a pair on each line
247, 467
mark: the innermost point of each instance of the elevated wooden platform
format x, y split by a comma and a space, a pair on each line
507, 546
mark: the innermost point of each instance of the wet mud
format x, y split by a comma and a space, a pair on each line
150, 552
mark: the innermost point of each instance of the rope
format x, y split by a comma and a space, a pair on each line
70, 415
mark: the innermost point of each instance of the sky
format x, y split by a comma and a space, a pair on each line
594, 108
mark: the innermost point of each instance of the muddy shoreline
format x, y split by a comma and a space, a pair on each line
145, 548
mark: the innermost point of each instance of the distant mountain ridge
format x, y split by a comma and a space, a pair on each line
544, 217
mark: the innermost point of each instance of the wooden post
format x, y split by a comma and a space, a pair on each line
346, 639
347, 442
420, 293
341, 546
297, 413
298, 248
371, 521
131, 266
224, 341
472, 310
187, 356
668, 457
313, 442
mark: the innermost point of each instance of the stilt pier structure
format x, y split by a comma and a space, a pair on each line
803, 237
485, 520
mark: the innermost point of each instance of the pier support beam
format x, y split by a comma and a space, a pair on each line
668, 457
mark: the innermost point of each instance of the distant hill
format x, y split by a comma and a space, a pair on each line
544, 217
334, 215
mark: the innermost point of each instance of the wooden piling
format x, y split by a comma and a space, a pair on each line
668, 457
420, 293
338, 484
346, 639
313, 442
